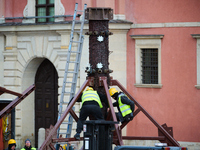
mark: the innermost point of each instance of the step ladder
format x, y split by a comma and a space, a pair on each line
71, 72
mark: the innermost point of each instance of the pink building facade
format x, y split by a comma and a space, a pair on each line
171, 28
176, 101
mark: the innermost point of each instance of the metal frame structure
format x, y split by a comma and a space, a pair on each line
117, 136
15, 102
99, 78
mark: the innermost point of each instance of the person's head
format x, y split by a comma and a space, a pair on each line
28, 142
113, 93
89, 89
11, 144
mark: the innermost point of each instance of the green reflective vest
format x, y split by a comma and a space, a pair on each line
90, 96
31, 148
124, 108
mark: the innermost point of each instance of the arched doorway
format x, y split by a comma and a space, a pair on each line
46, 97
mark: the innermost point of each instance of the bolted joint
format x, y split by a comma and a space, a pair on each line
108, 71
89, 70
102, 33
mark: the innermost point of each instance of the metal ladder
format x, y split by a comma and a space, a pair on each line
71, 72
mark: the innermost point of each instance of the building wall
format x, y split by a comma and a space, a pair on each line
177, 101
155, 11
30, 47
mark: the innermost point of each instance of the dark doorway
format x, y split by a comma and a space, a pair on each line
46, 97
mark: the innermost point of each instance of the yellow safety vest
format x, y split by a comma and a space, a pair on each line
91, 96
124, 108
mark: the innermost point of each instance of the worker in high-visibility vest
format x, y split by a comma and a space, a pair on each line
28, 145
124, 104
91, 105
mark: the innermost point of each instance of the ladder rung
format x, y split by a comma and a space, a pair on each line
67, 123
70, 82
80, 10
73, 62
64, 133
76, 41
75, 52
72, 71
68, 92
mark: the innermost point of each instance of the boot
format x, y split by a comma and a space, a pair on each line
77, 136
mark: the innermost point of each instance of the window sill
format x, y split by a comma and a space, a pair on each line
158, 86
197, 86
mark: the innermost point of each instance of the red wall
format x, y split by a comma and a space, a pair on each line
177, 103
155, 11
14, 8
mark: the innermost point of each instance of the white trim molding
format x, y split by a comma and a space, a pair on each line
29, 11
59, 10
197, 36
146, 41
166, 25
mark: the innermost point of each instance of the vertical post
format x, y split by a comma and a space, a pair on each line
98, 44
117, 129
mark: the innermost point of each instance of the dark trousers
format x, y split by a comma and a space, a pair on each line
86, 111
123, 119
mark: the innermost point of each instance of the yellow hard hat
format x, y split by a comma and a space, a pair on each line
89, 89
112, 91
11, 141
65, 146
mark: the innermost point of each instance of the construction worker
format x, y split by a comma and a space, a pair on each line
28, 145
124, 104
65, 147
11, 144
91, 105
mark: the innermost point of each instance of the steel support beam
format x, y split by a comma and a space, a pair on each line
172, 141
4, 90
143, 138
48, 140
117, 129
15, 102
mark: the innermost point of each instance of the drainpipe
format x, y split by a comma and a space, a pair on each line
13, 123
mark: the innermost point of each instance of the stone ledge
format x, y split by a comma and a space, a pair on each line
159, 36
197, 86
148, 85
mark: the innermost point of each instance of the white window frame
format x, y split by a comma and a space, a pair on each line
145, 42
197, 36
29, 11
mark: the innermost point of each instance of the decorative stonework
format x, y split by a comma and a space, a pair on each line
29, 11
59, 10
25, 12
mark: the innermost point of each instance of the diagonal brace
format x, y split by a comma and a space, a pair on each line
168, 136
47, 142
